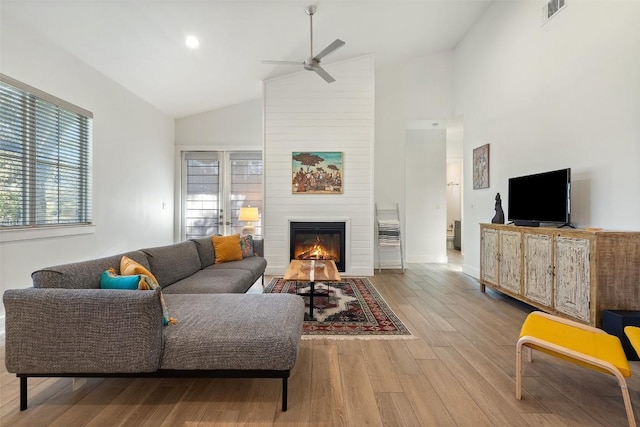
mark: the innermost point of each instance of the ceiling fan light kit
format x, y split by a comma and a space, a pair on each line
313, 62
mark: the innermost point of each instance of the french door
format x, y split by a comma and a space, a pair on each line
215, 185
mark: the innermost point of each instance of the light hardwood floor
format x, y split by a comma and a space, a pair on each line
458, 372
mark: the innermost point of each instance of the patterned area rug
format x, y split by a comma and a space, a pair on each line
353, 309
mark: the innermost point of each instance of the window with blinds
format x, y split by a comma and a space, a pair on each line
45, 158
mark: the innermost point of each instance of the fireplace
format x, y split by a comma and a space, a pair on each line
318, 240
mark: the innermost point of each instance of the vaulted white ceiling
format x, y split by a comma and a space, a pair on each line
141, 43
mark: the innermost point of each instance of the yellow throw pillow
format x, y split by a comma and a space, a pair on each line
227, 248
129, 267
148, 282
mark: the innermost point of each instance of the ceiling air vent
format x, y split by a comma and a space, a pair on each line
551, 9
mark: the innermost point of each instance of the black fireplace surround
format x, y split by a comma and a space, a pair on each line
318, 240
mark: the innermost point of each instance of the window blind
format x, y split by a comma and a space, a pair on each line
45, 158
246, 185
202, 203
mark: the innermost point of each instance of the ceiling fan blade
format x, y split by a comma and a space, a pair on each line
322, 73
329, 49
283, 62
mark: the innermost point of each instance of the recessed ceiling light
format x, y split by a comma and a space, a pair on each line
192, 42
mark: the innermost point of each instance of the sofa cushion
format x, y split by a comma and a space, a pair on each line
110, 280
212, 281
246, 246
174, 262
243, 332
255, 265
83, 274
227, 248
205, 251
129, 267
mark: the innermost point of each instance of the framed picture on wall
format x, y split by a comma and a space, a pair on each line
481, 167
316, 172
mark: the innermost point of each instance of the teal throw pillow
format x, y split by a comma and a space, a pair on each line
110, 280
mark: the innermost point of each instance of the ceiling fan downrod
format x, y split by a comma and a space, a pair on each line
310, 10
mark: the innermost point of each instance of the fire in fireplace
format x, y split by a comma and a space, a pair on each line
318, 240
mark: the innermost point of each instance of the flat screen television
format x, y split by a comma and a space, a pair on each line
541, 197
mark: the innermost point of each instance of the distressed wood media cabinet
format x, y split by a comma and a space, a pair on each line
572, 273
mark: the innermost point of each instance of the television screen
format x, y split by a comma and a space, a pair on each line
543, 197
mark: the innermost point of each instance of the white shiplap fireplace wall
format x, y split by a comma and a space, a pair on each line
303, 113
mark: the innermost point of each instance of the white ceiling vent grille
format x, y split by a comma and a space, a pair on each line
551, 9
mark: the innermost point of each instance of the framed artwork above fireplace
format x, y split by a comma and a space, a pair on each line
315, 172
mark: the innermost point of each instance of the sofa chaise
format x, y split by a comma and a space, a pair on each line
66, 326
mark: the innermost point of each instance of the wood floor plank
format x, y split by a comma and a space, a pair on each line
499, 409
561, 406
377, 360
93, 402
156, 406
327, 403
426, 403
190, 410
450, 390
59, 399
421, 327
544, 420
550, 370
124, 404
419, 349
259, 406
395, 410
501, 381
360, 402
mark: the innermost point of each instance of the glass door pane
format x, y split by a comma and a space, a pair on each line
246, 187
202, 214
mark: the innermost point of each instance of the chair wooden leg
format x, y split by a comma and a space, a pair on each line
627, 400
519, 371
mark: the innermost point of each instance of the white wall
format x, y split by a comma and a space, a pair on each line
566, 94
133, 153
426, 202
237, 125
413, 92
304, 113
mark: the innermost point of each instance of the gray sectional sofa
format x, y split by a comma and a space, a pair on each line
66, 326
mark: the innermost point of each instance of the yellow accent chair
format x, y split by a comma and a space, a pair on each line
581, 344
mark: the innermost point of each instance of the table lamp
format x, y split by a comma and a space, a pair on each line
248, 214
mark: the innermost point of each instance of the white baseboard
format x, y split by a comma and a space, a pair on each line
427, 259
471, 271
359, 271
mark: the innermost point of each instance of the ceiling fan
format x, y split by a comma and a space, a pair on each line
313, 62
